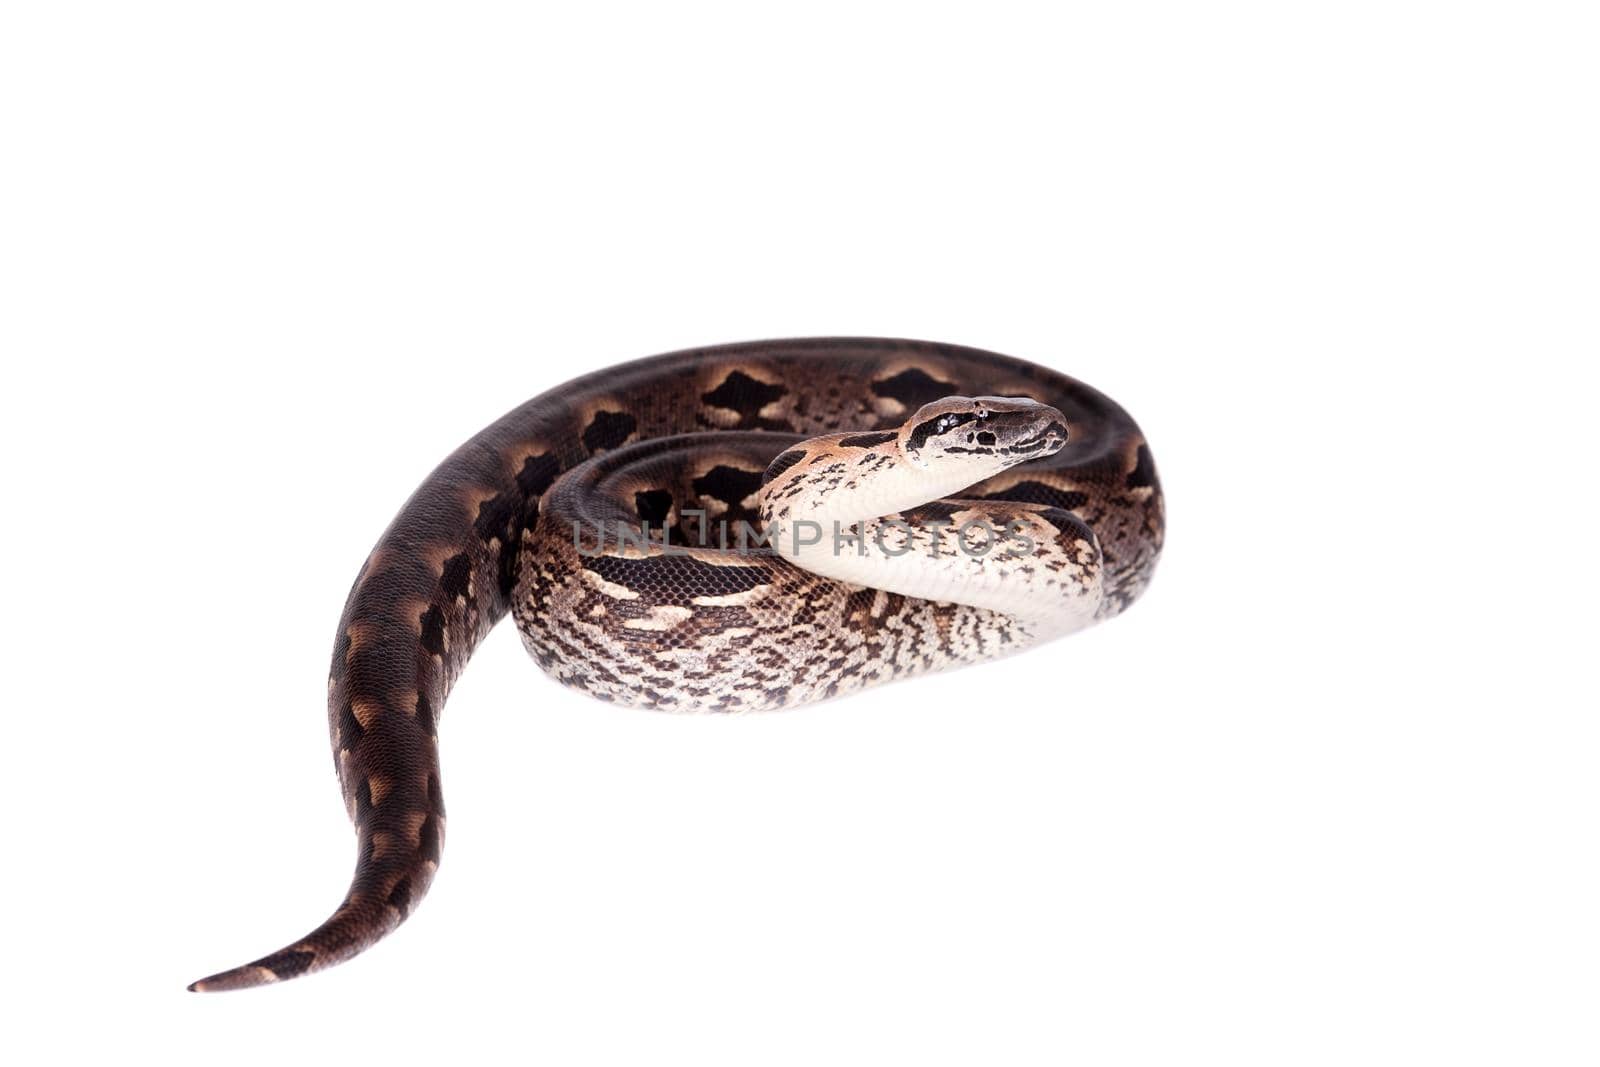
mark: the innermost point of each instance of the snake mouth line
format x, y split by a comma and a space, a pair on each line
1052, 437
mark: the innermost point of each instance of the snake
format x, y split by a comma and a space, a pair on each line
725, 529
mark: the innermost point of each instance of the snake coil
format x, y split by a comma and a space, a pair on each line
878, 434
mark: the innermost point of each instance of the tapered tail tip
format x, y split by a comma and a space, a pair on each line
238, 978
277, 967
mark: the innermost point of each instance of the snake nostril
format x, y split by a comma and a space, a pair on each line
986, 439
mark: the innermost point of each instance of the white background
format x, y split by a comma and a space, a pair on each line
1326, 795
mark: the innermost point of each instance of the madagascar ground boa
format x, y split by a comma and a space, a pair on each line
762, 448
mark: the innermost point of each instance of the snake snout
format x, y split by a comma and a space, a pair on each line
1018, 426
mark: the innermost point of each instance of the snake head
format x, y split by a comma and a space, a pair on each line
983, 434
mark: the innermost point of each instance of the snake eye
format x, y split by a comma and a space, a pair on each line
942, 427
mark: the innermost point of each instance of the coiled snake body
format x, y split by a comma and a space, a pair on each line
732, 528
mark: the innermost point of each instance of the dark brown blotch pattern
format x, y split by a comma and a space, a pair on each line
746, 396
608, 430
915, 387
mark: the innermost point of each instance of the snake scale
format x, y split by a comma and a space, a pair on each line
729, 528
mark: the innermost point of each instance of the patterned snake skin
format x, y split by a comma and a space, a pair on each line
688, 442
